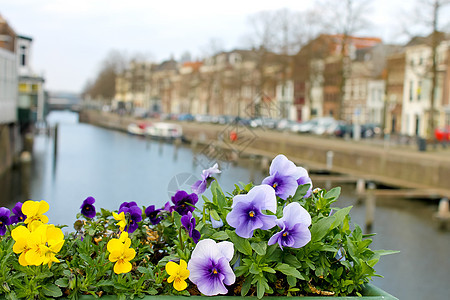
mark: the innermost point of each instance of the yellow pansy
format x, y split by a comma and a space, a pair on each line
55, 241
178, 274
121, 218
121, 253
37, 246
34, 211
20, 235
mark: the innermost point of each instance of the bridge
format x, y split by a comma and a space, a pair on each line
64, 101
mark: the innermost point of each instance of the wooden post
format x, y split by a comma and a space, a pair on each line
370, 207
330, 155
360, 189
55, 142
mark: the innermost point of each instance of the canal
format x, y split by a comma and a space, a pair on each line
114, 167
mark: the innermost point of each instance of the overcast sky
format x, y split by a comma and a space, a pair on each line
70, 38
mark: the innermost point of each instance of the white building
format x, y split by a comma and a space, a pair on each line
417, 85
375, 101
8, 87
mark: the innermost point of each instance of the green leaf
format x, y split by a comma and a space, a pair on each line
301, 192
321, 228
254, 269
268, 270
292, 261
260, 248
176, 219
292, 281
205, 199
52, 290
339, 216
241, 244
288, 270
246, 286
333, 193
220, 236
214, 215
62, 282
261, 287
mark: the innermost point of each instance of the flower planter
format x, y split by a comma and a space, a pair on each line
370, 292
277, 238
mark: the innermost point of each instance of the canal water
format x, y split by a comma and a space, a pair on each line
114, 167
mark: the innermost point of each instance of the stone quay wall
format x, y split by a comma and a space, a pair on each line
395, 166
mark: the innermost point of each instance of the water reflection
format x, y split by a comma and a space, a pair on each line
114, 167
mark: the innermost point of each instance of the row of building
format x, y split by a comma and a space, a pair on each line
356, 79
22, 94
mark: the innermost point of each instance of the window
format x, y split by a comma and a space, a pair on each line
23, 59
411, 90
419, 90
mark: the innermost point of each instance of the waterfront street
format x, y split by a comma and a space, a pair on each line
392, 164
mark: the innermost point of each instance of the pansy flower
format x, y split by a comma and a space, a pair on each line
200, 186
188, 222
152, 214
294, 227
305, 179
121, 253
20, 235
34, 210
178, 273
247, 211
4, 219
210, 268
88, 208
184, 202
18, 214
133, 213
122, 220
284, 177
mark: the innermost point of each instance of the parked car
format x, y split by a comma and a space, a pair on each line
366, 130
186, 117
263, 122
442, 134
323, 125
309, 126
286, 124
203, 118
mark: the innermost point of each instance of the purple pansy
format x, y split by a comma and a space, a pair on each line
285, 177
305, 179
184, 202
188, 222
18, 214
126, 205
209, 267
152, 214
88, 208
294, 227
4, 219
246, 214
284, 186
200, 186
133, 213
168, 207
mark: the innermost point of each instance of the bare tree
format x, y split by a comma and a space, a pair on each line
429, 12
105, 83
344, 18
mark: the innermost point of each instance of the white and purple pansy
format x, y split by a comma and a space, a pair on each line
247, 211
294, 227
209, 267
